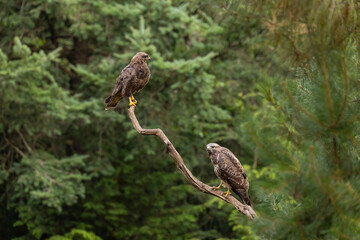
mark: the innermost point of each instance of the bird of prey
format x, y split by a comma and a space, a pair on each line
229, 170
131, 80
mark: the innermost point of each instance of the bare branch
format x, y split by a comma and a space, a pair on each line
13, 146
25, 143
245, 209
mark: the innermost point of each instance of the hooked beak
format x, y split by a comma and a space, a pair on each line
208, 149
148, 58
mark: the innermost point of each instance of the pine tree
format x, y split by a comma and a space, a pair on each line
66, 164
276, 82
304, 133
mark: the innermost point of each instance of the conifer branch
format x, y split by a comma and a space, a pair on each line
336, 155
22, 154
353, 140
354, 118
326, 189
271, 153
305, 90
310, 115
24, 141
244, 209
346, 88
353, 192
327, 90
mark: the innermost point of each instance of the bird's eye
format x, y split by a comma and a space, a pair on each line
212, 147
145, 56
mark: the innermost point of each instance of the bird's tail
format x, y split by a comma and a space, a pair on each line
112, 101
243, 195
108, 99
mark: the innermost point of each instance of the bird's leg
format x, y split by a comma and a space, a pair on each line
218, 187
228, 192
133, 99
132, 103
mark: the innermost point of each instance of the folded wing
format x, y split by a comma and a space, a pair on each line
122, 87
231, 171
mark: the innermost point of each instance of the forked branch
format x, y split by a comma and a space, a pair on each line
245, 209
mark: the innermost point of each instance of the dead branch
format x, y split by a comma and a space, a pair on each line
245, 209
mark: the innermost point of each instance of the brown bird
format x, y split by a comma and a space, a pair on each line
229, 170
131, 80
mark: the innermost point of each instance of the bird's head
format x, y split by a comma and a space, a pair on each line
140, 57
212, 148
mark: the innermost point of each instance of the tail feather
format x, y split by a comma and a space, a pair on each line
243, 196
107, 100
112, 101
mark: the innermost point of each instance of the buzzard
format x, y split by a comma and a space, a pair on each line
229, 170
131, 80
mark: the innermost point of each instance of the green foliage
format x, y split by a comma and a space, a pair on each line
276, 82
62, 62
305, 129
76, 234
49, 181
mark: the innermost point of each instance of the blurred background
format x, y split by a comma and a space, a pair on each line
276, 82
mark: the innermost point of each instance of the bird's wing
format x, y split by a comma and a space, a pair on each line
233, 172
126, 75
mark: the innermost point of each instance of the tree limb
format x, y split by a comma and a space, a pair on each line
245, 209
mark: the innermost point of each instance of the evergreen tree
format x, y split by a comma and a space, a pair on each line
275, 82
68, 164
304, 132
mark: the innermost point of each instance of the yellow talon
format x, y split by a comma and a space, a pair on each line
132, 103
218, 187
228, 192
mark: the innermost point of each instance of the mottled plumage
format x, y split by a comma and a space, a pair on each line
131, 80
229, 170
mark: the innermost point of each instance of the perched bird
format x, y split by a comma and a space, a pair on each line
229, 170
131, 80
